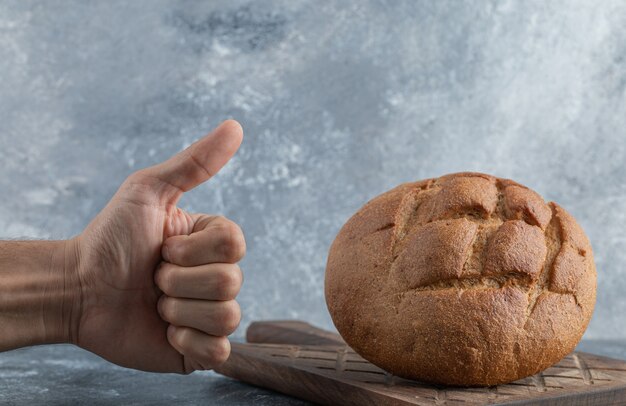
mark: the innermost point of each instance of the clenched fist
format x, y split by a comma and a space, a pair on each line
156, 285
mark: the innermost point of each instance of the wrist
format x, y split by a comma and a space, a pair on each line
39, 293
62, 301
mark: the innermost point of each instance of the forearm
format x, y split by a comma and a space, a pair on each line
38, 289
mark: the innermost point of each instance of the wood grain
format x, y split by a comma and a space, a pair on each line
301, 360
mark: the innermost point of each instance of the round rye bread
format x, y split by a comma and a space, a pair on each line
466, 279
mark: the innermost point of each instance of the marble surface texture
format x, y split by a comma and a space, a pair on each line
66, 375
340, 101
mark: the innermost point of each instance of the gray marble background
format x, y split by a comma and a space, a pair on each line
339, 101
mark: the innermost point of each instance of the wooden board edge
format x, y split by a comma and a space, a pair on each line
602, 395
300, 383
290, 332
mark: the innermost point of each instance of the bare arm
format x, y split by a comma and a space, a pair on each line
38, 289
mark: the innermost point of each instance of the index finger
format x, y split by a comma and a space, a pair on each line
214, 240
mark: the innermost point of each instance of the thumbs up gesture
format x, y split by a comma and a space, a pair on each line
157, 284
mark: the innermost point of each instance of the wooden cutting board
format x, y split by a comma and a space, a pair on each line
300, 360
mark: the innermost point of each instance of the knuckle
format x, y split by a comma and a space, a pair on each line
230, 316
169, 308
183, 339
141, 178
229, 282
180, 337
219, 352
219, 219
232, 241
137, 181
166, 279
137, 176
178, 252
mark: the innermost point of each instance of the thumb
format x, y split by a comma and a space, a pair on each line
199, 162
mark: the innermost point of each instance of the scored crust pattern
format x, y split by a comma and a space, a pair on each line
487, 209
519, 272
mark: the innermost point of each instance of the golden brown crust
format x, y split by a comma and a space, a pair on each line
441, 246
525, 204
466, 279
516, 248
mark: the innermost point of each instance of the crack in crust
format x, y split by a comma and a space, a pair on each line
553, 233
472, 276
410, 204
434, 186
478, 282
405, 224
474, 263
473, 266
499, 211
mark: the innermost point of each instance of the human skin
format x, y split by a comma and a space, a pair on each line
146, 285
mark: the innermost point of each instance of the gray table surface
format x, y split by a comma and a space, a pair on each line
64, 374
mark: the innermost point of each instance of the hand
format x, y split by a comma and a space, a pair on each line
158, 284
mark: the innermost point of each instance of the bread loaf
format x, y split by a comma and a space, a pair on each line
466, 279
